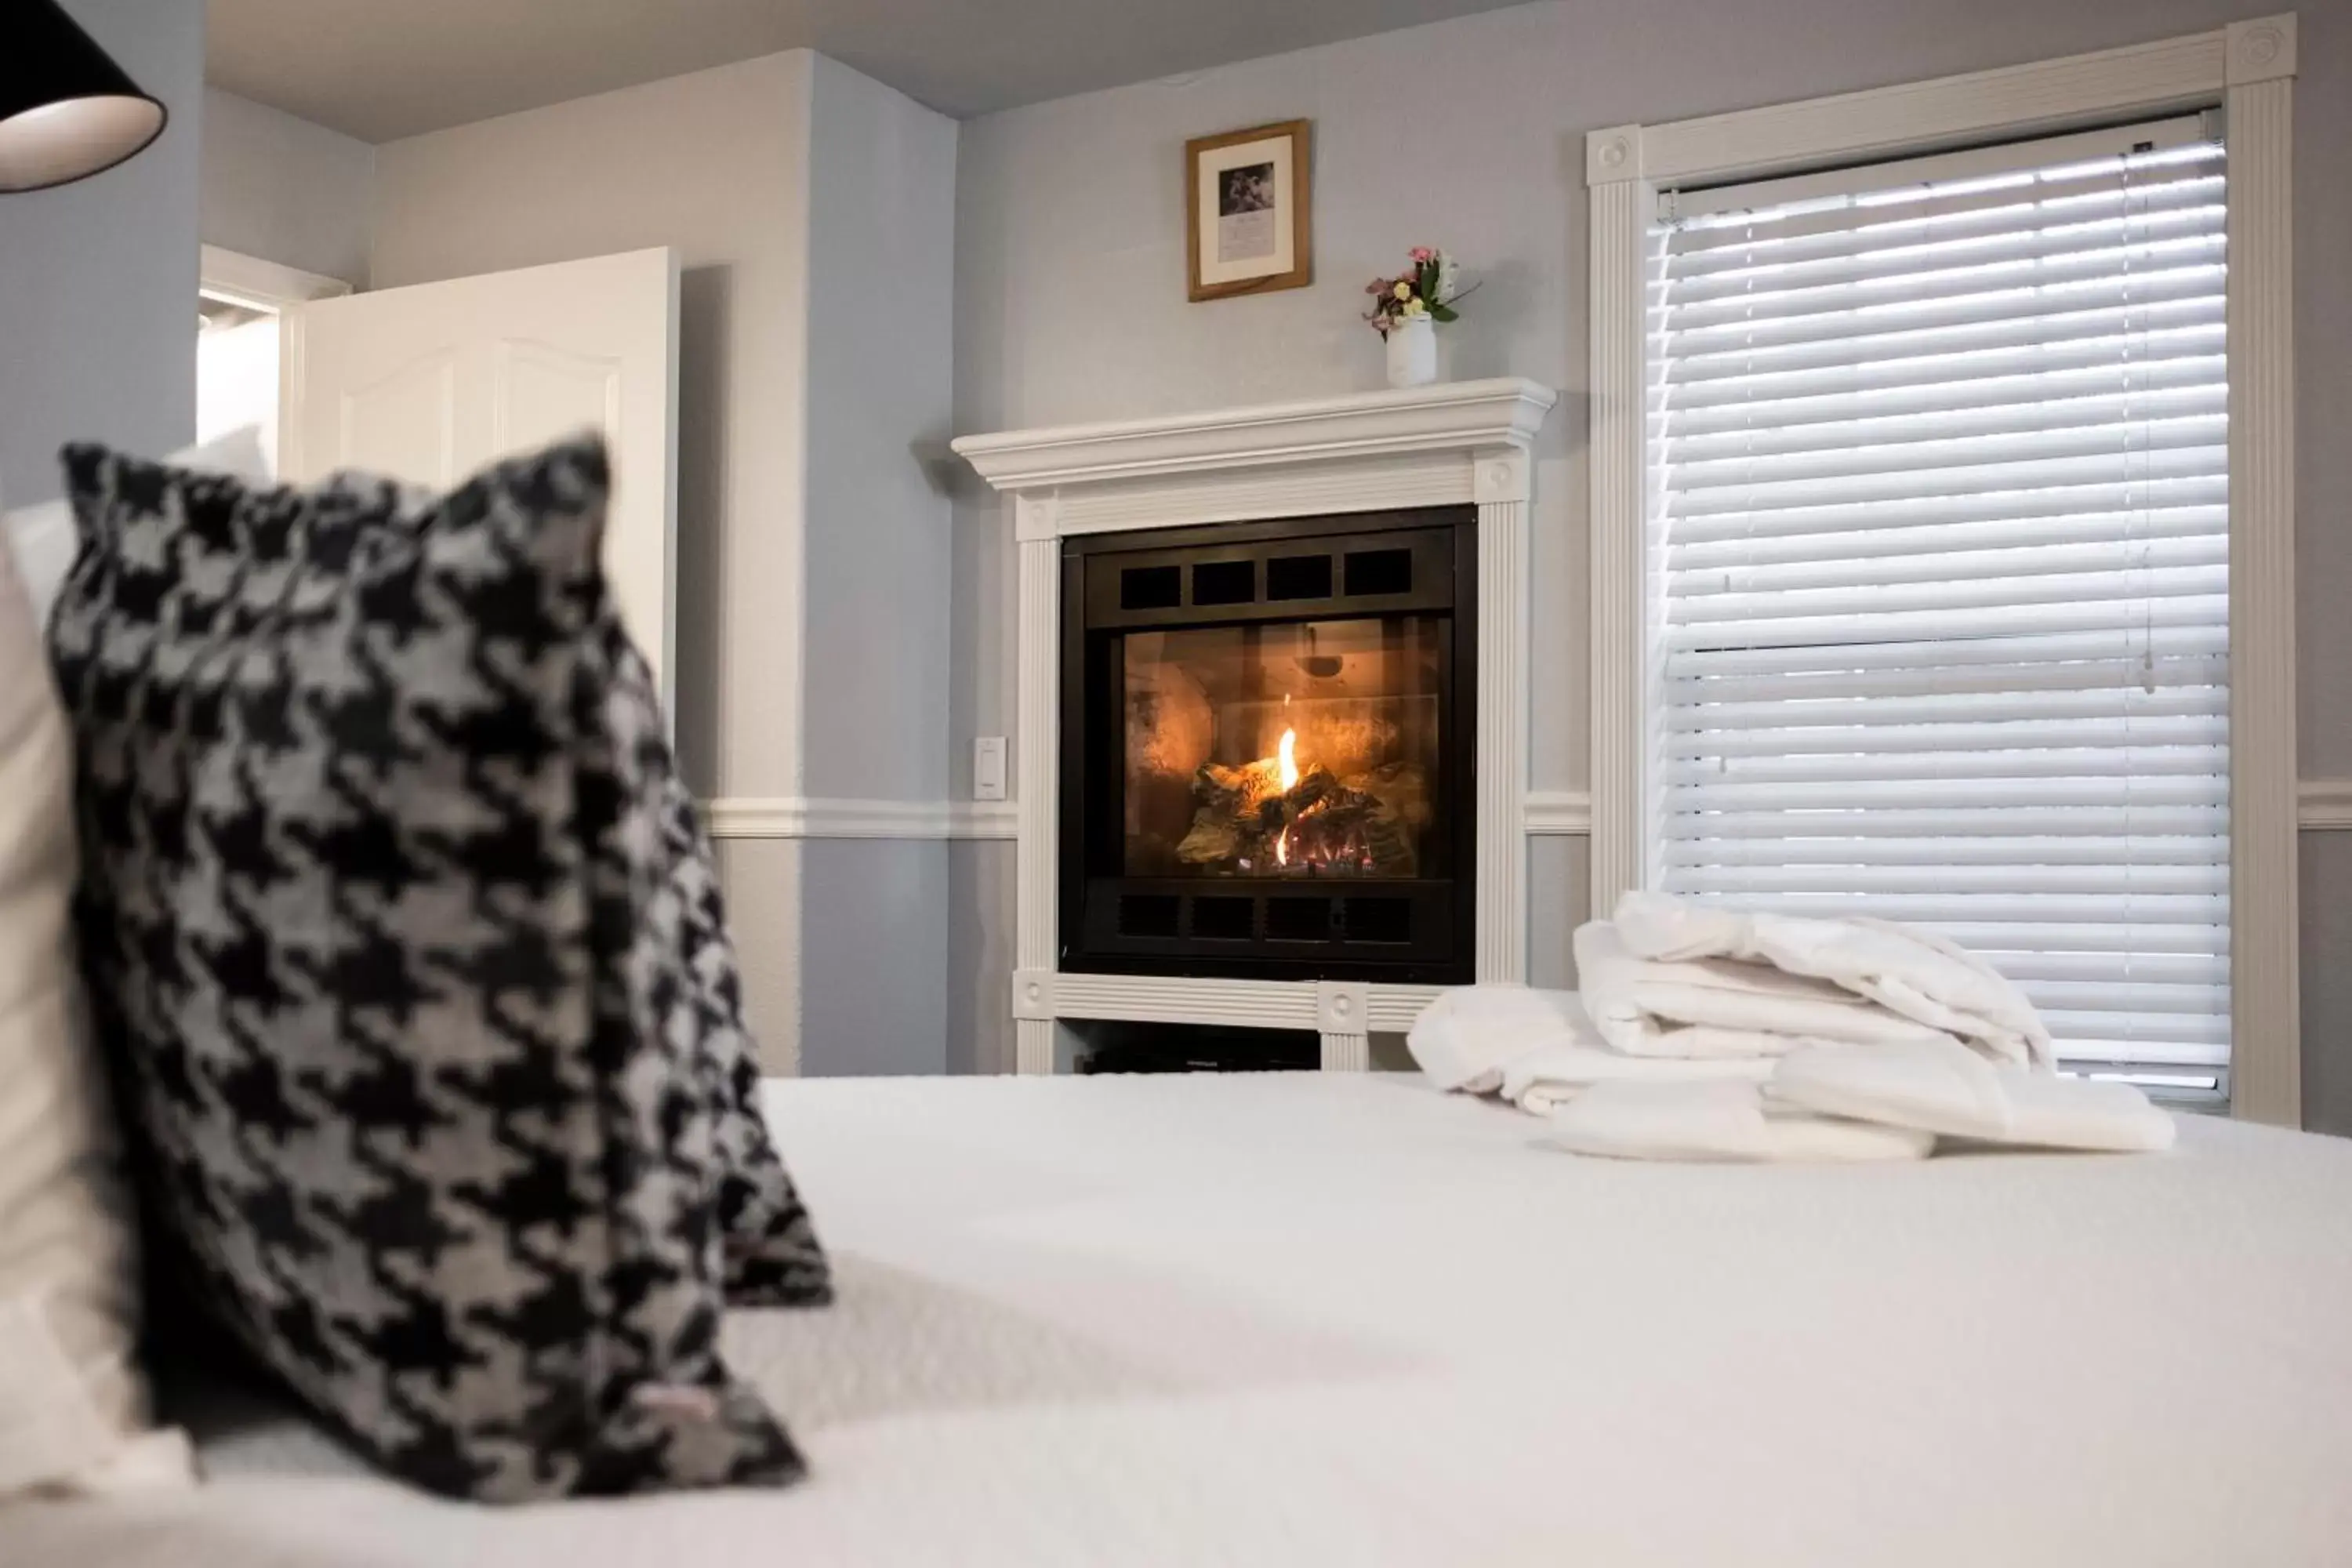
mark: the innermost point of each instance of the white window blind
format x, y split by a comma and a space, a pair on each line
1939, 553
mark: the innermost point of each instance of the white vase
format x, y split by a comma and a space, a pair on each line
1413, 352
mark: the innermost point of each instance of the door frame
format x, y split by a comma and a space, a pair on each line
262, 285
281, 290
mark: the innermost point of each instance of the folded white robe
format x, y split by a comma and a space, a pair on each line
1721, 1007
1466, 1038
1909, 971
1951, 1090
1548, 1076
1717, 1121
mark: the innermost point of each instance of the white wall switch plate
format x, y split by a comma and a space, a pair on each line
988, 767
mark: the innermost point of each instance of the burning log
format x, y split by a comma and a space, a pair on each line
1245, 820
1211, 841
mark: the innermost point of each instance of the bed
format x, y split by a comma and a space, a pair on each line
1308, 1319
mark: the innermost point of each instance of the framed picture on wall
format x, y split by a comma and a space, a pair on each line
1248, 211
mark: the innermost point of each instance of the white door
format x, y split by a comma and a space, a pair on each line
427, 383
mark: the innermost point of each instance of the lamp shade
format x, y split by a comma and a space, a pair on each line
67, 109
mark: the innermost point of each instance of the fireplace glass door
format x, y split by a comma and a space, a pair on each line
1302, 749
1267, 735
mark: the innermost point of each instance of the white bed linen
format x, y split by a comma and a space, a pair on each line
1305, 1320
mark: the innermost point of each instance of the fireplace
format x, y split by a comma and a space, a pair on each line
1267, 749
1373, 494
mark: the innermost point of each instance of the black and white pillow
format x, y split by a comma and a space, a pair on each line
665, 922
414, 980
773, 1259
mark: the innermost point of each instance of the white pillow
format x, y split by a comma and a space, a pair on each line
71, 1396
73, 1402
44, 537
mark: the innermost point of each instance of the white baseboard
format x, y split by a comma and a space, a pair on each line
2322, 805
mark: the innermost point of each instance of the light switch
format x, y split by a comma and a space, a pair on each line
988, 767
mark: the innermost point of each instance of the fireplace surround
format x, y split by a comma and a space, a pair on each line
1267, 749
1462, 446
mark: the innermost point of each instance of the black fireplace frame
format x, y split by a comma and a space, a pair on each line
1303, 929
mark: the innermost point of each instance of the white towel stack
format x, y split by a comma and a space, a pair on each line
1922, 986
1538, 1050
1707, 1033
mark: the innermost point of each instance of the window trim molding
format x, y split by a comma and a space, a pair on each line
2249, 69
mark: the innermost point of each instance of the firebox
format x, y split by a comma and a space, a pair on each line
1267, 749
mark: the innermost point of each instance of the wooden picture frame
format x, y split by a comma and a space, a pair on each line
1249, 210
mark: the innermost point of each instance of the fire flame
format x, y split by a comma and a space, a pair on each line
1286, 760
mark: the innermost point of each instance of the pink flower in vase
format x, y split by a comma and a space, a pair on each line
1421, 253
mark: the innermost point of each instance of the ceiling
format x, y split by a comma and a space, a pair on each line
380, 69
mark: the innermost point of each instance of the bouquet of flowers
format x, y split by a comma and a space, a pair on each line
1430, 287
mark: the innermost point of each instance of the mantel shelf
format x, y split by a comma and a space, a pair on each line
1465, 415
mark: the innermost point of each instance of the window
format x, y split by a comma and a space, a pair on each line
1939, 569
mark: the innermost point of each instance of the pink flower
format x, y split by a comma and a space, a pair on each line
1423, 253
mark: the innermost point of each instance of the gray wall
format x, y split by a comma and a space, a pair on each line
880, 345
761, 880
2327, 867
980, 958
285, 190
98, 279
874, 956
1070, 305
874, 926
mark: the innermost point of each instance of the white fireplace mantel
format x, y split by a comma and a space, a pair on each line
1456, 443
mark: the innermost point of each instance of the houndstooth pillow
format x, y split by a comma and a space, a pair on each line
666, 923
418, 992
772, 1256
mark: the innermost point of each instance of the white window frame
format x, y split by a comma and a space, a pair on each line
2248, 69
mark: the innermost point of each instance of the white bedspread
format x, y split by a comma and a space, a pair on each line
1306, 1320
